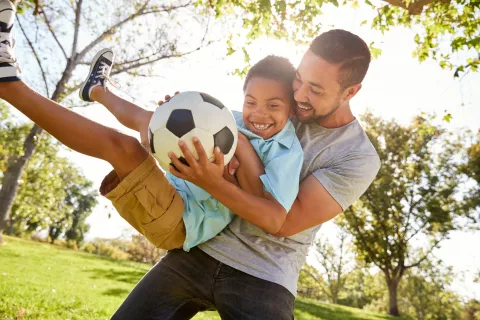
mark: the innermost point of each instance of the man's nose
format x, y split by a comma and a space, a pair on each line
300, 94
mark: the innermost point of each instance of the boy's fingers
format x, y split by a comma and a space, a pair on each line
180, 167
167, 97
218, 157
202, 155
160, 102
176, 173
176, 92
233, 165
187, 154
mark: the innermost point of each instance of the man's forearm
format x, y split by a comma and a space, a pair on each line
266, 214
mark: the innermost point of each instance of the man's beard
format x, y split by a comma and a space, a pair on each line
317, 117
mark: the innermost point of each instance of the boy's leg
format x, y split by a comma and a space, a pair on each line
129, 114
94, 88
123, 152
151, 204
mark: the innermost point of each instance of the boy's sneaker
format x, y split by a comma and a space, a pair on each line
9, 70
99, 73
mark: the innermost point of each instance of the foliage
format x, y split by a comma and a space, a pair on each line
310, 284
415, 196
137, 249
425, 294
40, 281
335, 265
447, 28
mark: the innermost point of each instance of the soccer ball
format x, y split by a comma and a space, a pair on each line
187, 115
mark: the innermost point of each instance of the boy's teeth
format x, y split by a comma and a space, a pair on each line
260, 126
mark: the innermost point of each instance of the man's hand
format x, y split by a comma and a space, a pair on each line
167, 97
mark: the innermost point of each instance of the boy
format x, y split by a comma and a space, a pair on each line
182, 214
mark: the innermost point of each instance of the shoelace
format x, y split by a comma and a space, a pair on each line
6, 49
104, 74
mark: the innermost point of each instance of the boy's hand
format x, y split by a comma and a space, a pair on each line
205, 174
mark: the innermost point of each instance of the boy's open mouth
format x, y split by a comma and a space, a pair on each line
261, 126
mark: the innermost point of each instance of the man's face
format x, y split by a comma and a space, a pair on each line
316, 89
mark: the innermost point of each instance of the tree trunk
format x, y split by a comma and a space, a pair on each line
12, 176
393, 297
16, 166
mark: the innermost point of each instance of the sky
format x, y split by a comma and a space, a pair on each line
397, 87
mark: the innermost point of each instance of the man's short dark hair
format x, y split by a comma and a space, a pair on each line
273, 68
346, 49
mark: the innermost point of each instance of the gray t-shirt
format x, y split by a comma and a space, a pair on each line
344, 161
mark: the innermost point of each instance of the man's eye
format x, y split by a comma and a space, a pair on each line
316, 92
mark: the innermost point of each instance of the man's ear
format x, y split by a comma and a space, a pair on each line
351, 91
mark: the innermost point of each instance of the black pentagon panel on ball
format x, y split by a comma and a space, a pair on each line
208, 98
182, 160
180, 122
224, 140
152, 147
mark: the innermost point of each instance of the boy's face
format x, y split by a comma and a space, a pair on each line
266, 107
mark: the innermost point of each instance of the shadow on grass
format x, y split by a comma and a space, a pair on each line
324, 312
116, 292
127, 276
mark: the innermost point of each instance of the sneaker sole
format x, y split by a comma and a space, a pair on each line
94, 61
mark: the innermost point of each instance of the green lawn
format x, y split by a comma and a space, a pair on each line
40, 281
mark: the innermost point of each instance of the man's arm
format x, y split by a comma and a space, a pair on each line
313, 206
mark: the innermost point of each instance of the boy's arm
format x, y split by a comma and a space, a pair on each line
251, 168
266, 213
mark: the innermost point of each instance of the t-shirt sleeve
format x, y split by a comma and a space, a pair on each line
282, 176
349, 179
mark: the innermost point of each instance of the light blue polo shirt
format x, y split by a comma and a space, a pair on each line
282, 156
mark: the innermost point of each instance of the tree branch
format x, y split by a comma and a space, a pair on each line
415, 7
143, 63
47, 22
138, 13
78, 12
425, 256
30, 44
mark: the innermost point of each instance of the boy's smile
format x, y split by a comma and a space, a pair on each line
266, 107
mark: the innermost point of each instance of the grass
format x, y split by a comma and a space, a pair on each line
40, 281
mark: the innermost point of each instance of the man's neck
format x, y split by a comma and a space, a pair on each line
342, 116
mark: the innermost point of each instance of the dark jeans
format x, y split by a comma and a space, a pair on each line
184, 283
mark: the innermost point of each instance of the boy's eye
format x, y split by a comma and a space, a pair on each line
250, 102
273, 105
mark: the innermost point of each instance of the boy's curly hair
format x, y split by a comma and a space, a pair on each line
273, 68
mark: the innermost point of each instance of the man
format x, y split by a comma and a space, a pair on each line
244, 272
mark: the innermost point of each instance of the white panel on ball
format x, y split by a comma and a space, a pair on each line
209, 117
164, 142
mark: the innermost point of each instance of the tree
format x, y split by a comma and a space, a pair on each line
43, 27
83, 199
447, 28
425, 294
334, 264
415, 198
74, 209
